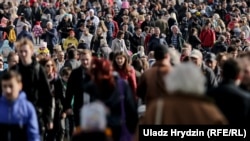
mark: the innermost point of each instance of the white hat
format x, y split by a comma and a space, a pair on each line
44, 44
92, 11
93, 117
196, 54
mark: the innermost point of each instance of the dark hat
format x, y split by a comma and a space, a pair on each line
210, 57
160, 51
83, 46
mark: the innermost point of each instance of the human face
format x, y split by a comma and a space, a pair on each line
72, 34
11, 88
196, 61
86, 60
65, 78
138, 32
25, 54
99, 31
120, 60
211, 64
234, 54
49, 66
125, 28
175, 30
13, 61
221, 62
60, 56
157, 31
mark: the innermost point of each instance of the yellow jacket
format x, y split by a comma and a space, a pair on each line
68, 40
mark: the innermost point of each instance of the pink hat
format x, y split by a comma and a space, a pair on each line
125, 4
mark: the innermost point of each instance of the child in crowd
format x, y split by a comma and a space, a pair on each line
37, 31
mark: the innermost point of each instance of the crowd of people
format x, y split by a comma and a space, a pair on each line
85, 69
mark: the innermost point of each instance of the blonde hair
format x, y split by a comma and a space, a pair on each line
141, 18
103, 26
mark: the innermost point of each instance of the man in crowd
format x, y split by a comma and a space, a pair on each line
197, 58
151, 85
35, 84
228, 92
75, 88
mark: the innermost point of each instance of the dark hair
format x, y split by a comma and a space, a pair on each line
11, 54
44, 61
8, 75
231, 49
232, 69
193, 30
72, 53
111, 56
120, 33
126, 67
65, 71
137, 64
137, 28
25, 27
160, 52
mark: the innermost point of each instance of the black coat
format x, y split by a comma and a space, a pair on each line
37, 89
233, 102
36, 15
219, 47
75, 88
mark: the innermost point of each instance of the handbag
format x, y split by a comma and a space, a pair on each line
125, 134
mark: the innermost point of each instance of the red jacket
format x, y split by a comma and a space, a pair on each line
146, 41
116, 29
131, 78
207, 37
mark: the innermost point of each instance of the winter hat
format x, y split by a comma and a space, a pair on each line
38, 22
43, 49
125, 4
93, 117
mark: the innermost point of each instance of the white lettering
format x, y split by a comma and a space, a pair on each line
190, 132
150, 132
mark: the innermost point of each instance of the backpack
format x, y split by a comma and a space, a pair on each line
12, 35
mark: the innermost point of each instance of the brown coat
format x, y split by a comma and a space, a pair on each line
185, 109
151, 84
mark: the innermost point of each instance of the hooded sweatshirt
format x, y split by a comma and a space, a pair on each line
18, 120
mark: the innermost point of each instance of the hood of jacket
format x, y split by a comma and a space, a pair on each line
21, 96
15, 111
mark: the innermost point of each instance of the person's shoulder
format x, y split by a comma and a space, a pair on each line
77, 70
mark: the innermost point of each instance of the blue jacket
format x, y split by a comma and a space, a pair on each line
25, 34
18, 120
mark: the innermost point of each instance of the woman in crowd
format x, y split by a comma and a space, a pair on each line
65, 26
125, 70
97, 39
108, 88
57, 89
104, 28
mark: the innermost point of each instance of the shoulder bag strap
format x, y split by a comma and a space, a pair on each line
158, 115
